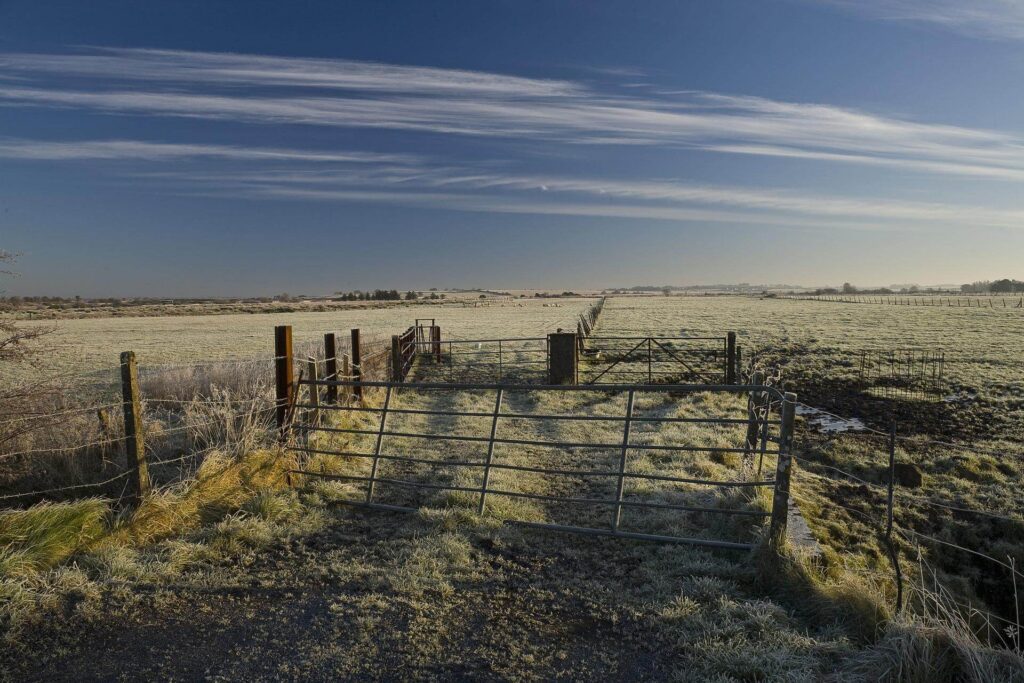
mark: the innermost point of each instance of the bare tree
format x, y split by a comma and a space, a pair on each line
14, 340
20, 399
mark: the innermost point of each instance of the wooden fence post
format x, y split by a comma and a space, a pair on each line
396, 358
357, 366
730, 361
780, 501
563, 356
331, 367
134, 440
284, 374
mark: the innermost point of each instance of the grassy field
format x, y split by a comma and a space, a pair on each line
969, 495
297, 586
90, 347
817, 346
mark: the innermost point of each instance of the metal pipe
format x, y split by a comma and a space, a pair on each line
543, 416
540, 470
376, 449
490, 452
603, 388
620, 485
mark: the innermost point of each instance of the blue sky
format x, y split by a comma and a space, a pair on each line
215, 148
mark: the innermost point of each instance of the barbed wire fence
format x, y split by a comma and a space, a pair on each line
588, 321
892, 510
187, 412
990, 301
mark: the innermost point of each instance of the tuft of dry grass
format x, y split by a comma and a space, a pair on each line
46, 534
223, 483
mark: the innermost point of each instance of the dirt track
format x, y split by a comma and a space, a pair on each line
383, 596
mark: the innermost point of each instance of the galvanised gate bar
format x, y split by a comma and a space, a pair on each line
513, 360
404, 439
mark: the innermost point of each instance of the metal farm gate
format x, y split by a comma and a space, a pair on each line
676, 360
629, 460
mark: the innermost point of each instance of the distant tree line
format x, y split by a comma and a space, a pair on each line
383, 295
375, 295
848, 288
1004, 286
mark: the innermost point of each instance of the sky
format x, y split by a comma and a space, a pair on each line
210, 148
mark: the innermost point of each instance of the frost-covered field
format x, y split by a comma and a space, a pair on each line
90, 347
983, 347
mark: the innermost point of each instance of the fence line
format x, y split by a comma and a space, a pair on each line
900, 528
920, 300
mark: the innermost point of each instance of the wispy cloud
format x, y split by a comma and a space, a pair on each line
982, 18
339, 175
346, 93
45, 150
464, 190
221, 68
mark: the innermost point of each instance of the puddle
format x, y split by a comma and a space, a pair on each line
828, 424
960, 397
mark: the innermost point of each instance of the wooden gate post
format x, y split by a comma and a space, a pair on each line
730, 359
284, 374
134, 439
331, 367
780, 502
563, 356
357, 365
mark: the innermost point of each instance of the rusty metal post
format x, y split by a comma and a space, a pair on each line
331, 368
435, 338
357, 365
